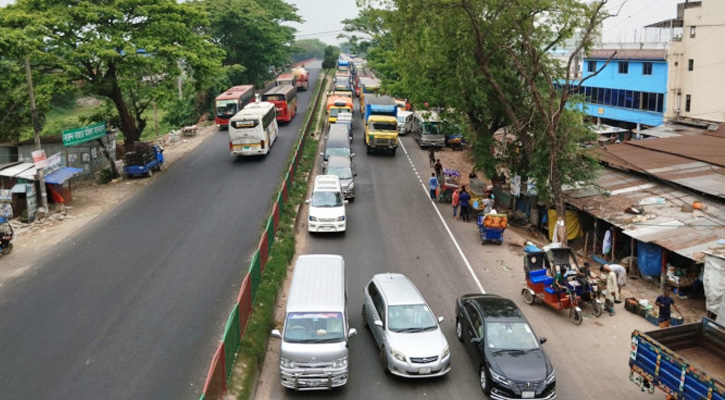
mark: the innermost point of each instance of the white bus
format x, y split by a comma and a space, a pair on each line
253, 130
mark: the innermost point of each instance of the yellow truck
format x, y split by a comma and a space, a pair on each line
336, 105
381, 125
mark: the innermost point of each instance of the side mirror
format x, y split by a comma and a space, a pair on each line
355, 174
322, 154
542, 340
476, 340
378, 323
308, 201
352, 154
352, 332
276, 333
346, 202
440, 319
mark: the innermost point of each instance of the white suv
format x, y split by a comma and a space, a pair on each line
327, 206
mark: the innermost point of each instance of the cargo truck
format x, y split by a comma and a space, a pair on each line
686, 361
302, 78
381, 125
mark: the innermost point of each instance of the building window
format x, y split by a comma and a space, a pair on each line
693, 31
690, 64
591, 66
623, 67
646, 68
687, 103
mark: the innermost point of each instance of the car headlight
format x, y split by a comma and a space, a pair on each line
499, 378
283, 362
397, 355
446, 352
313, 219
550, 378
339, 363
341, 218
351, 186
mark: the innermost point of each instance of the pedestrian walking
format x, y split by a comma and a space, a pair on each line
431, 156
439, 170
473, 174
456, 201
621, 274
465, 200
610, 292
665, 302
433, 185
488, 205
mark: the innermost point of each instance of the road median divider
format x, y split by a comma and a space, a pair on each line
242, 349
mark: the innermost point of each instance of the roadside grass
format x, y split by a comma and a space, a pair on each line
254, 342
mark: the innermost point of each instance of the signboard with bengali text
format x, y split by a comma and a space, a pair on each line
84, 134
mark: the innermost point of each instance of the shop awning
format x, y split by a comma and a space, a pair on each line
60, 176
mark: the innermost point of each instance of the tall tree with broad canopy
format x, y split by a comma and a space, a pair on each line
253, 34
489, 60
129, 51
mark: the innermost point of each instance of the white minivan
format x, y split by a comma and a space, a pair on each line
253, 130
314, 350
327, 206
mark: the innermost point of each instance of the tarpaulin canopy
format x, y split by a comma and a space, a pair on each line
60, 176
573, 227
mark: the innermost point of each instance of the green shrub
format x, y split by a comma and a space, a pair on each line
105, 176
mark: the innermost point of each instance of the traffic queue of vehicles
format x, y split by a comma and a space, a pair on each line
410, 343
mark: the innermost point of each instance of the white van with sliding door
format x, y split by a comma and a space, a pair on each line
327, 205
253, 130
314, 350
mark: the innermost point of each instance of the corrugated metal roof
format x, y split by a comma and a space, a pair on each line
706, 148
688, 233
672, 130
18, 169
628, 54
700, 176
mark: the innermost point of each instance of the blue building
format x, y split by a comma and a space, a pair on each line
630, 91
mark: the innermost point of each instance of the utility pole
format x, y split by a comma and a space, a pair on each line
36, 129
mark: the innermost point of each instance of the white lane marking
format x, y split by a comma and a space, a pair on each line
455, 242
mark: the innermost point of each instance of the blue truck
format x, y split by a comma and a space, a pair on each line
686, 361
143, 160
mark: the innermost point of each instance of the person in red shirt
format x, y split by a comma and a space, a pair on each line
456, 201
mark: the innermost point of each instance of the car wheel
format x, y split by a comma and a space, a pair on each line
384, 359
459, 330
528, 297
597, 308
365, 316
483, 380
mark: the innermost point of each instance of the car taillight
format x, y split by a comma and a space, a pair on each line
231, 146
261, 142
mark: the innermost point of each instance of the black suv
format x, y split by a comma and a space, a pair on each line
499, 339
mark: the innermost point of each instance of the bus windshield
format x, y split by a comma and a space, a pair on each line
314, 327
431, 128
226, 108
274, 97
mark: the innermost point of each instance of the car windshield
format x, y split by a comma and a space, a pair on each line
313, 327
410, 318
337, 151
510, 336
401, 118
326, 199
431, 128
340, 172
383, 126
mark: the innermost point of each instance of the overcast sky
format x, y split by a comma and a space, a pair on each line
323, 17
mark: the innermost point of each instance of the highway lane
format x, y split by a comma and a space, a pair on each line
393, 226
134, 306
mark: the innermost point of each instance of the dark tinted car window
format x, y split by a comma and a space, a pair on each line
476, 322
377, 301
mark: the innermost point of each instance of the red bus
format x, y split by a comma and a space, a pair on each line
287, 79
284, 99
231, 102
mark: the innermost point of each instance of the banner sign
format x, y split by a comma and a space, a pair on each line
84, 134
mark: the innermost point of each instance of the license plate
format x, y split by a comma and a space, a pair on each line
314, 383
528, 395
247, 147
424, 371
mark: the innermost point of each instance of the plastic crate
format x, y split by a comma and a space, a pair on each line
674, 321
631, 304
654, 319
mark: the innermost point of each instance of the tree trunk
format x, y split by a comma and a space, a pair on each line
556, 191
111, 163
131, 130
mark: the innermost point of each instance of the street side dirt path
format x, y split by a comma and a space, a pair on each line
33, 242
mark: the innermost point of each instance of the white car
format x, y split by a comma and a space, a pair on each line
327, 206
402, 117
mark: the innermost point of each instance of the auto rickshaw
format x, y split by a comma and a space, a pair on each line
6, 236
539, 266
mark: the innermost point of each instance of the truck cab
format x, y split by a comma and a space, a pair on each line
381, 125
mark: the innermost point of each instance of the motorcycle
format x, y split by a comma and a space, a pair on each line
6, 236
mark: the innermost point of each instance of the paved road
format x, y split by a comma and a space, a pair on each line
134, 306
393, 226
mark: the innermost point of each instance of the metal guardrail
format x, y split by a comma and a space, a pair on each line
222, 363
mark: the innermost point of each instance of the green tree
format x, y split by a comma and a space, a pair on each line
489, 60
253, 33
128, 51
332, 53
305, 49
